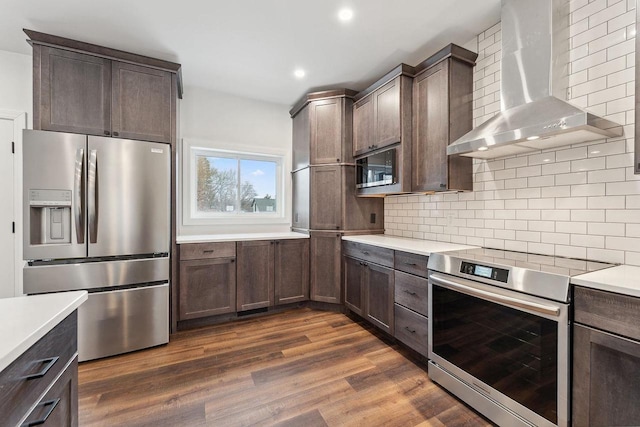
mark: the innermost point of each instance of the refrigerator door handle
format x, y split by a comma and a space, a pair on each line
93, 193
79, 195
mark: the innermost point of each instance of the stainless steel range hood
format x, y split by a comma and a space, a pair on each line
533, 88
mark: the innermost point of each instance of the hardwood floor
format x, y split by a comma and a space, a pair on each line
297, 368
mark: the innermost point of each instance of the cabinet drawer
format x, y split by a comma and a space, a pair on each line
608, 311
207, 250
411, 263
411, 329
59, 407
26, 379
375, 254
412, 292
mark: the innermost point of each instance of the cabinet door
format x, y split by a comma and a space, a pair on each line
354, 295
255, 274
141, 103
74, 93
301, 139
291, 271
59, 406
326, 267
363, 125
300, 199
207, 287
606, 369
326, 200
430, 130
325, 119
387, 114
379, 292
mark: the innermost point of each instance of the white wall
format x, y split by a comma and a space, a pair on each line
221, 120
15, 83
581, 201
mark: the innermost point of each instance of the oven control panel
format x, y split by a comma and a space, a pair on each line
493, 273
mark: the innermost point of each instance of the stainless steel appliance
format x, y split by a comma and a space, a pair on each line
377, 169
96, 217
534, 84
499, 332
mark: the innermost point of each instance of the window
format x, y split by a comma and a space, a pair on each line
227, 184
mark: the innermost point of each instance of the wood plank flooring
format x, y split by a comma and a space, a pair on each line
297, 368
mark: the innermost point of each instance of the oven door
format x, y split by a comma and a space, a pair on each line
511, 349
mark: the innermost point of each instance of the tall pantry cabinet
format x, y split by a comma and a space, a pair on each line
323, 180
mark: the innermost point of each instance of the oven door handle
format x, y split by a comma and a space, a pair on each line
490, 296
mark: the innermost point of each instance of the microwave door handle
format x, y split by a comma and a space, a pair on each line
93, 191
79, 200
548, 310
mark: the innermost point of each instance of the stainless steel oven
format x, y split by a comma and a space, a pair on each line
499, 332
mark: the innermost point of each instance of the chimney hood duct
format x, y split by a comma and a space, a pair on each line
533, 87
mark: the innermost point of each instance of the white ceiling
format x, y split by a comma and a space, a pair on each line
251, 47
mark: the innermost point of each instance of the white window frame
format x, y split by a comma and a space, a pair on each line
191, 215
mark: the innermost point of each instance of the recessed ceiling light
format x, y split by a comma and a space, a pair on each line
299, 73
345, 15
532, 138
482, 149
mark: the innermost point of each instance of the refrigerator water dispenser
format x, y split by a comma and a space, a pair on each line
50, 217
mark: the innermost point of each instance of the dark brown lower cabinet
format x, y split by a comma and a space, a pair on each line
379, 290
41, 385
255, 274
606, 371
59, 407
207, 287
272, 272
354, 285
291, 271
369, 290
326, 259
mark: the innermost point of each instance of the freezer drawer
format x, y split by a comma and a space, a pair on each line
120, 321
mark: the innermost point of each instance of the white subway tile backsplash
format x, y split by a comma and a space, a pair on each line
579, 201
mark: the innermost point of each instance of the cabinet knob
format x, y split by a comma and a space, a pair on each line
107, 133
443, 185
337, 160
116, 134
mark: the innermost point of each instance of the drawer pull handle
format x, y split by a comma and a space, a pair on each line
413, 294
413, 264
413, 331
209, 251
48, 364
52, 405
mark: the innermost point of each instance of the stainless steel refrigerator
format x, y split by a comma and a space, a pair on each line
96, 217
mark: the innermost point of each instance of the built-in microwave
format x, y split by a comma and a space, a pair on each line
377, 169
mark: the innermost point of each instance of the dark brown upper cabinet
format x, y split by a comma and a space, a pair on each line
141, 103
322, 128
72, 92
83, 88
442, 112
382, 117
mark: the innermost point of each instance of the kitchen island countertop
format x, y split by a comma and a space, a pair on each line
621, 279
416, 246
211, 238
26, 319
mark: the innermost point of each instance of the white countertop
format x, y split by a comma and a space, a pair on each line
208, 238
24, 320
416, 246
622, 279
